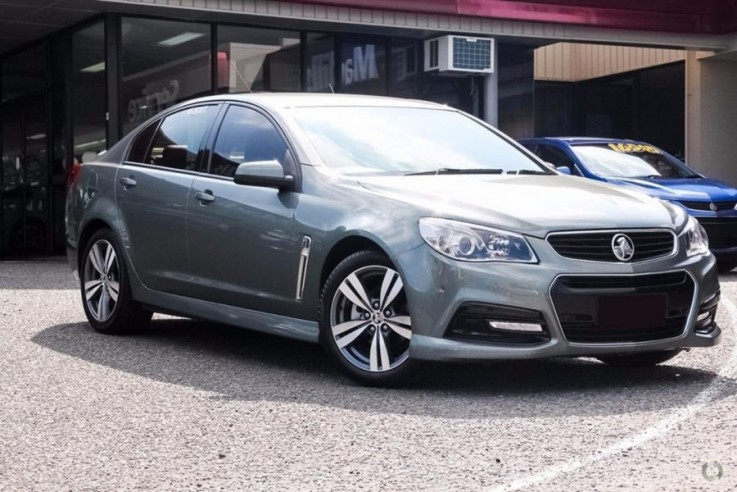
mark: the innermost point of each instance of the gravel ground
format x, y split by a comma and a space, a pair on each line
191, 406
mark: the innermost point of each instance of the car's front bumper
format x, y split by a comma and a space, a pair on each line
437, 286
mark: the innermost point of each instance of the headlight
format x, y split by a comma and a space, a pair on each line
469, 242
697, 241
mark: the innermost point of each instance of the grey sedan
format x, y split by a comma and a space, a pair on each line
391, 231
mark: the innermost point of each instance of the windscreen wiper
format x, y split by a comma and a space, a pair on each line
451, 170
530, 172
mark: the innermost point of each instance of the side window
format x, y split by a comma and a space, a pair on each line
246, 136
179, 138
140, 145
556, 157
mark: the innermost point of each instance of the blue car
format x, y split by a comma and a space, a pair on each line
651, 170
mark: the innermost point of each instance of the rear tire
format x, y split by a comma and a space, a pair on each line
105, 288
365, 323
643, 359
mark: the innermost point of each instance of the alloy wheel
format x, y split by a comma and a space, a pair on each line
369, 319
101, 280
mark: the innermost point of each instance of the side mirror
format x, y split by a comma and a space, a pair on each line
549, 165
563, 170
269, 174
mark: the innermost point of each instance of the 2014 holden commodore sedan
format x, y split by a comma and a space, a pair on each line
391, 231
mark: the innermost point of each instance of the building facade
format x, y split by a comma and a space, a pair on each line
77, 75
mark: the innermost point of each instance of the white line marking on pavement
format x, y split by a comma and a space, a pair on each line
706, 396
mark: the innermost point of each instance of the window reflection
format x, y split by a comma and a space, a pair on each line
257, 60
178, 139
362, 67
320, 63
375, 140
403, 81
88, 80
163, 63
245, 136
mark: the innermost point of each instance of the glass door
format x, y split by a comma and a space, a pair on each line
24, 183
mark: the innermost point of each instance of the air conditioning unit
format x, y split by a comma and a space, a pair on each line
449, 54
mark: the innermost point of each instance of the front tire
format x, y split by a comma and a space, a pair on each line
726, 266
105, 288
365, 323
643, 359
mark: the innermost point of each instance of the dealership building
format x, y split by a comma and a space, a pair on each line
77, 75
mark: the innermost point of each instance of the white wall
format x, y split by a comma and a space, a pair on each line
711, 116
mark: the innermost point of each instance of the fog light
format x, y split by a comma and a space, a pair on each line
521, 327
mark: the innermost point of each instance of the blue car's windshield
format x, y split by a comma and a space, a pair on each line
394, 140
630, 160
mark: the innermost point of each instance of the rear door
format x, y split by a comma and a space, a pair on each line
241, 248
152, 191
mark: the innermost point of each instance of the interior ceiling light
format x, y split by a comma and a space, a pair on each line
97, 67
181, 39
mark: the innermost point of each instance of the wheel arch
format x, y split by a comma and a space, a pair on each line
91, 227
346, 247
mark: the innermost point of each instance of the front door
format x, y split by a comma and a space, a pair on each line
240, 236
24, 180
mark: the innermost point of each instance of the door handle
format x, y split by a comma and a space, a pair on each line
128, 182
204, 197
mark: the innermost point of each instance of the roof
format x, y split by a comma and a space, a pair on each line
282, 100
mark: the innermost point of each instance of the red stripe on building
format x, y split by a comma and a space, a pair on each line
684, 16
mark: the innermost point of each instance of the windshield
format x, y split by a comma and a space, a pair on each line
628, 160
390, 140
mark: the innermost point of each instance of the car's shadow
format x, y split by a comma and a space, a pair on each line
238, 364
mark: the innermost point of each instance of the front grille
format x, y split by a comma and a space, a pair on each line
722, 232
707, 205
577, 302
597, 246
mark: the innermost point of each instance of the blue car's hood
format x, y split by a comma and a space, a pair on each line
698, 189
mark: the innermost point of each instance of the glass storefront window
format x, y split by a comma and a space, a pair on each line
89, 97
250, 59
404, 71
24, 73
59, 165
362, 67
163, 62
320, 63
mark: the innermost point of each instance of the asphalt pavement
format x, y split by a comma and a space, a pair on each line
191, 405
